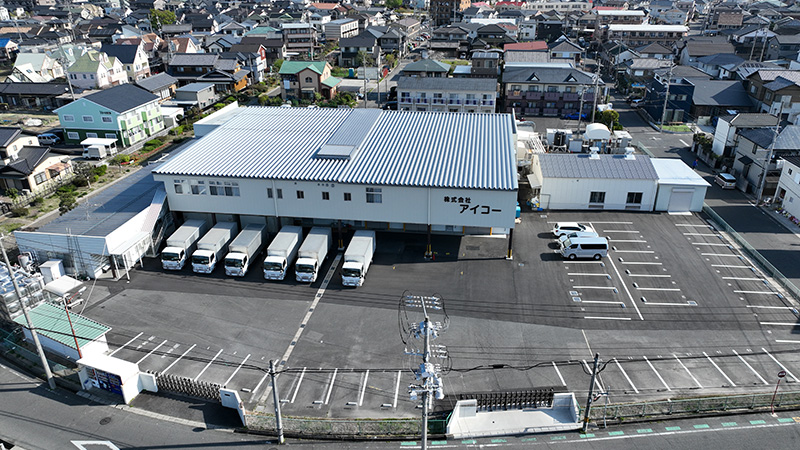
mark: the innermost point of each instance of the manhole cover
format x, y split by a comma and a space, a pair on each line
473, 247
105, 420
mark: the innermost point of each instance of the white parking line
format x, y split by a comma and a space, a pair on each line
627, 291
648, 276
687, 371
586, 274
179, 358
781, 324
363, 388
656, 372
691, 225
396, 390
596, 381
297, 388
667, 304
701, 234
615, 223
237, 370
719, 254
659, 289
330, 386
750, 367
710, 244
126, 344
756, 292
635, 263
582, 262
720, 370
771, 307
743, 279
593, 287
151, 352
620, 231
778, 363
559, 374
606, 318
626, 375
639, 241
729, 266
682, 142
207, 365
634, 251
787, 342
606, 302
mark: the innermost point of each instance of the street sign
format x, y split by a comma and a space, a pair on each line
781, 374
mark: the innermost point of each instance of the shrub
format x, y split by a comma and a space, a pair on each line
19, 211
99, 171
38, 201
119, 159
230, 99
67, 188
79, 182
95, 177
219, 105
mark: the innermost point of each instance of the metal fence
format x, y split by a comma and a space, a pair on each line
704, 405
338, 428
11, 348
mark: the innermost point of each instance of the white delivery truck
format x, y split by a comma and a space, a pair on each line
358, 257
242, 250
95, 152
311, 254
212, 246
182, 243
282, 252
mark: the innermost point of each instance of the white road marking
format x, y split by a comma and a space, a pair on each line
363, 388
582, 262
635, 263
594, 287
729, 266
621, 231
710, 244
639, 241
743, 279
787, 342
237, 370
648, 276
691, 225
781, 324
627, 291
207, 365
81, 445
687, 371
606, 318
559, 374
596, 381
778, 363
614, 223
756, 292
682, 142
606, 302
750, 367
701, 234
396, 390
626, 375
126, 344
667, 304
634, 251
720, 370
151, 351
770, 307
586, 274
719, 254
656, 372
659, 289
297, 388
179, 358
330, 386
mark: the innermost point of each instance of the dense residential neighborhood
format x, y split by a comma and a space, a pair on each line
221, 213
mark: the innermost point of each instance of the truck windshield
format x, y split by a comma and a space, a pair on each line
351, 273
304, 268
197, 259
170, 256
273, 266
233, 263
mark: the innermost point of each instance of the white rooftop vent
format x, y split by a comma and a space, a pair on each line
629, 153
594, 153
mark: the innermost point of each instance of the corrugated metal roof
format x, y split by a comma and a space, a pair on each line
402, 148
607, 166
51, 321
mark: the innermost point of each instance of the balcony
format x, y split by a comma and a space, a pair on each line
438, 101
571, 96
532, 111
552, 95
550, 111
406, 100
487, 102
454, 101
515, 95
471, 101
588, 96
533, 95
423, 101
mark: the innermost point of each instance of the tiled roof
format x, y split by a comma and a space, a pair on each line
616, 167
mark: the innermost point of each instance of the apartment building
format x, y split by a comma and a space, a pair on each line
472, 95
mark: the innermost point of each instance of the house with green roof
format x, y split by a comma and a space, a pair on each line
303, 79
97, 70
55, 331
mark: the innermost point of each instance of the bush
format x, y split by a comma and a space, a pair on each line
154, 142
38, 201
99, 171
66, 189
12, 193
230, 99
19, 211
219, 105
79, 182
119, 159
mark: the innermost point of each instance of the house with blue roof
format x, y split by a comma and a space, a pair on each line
8, 49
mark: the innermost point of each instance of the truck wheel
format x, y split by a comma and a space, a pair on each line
572, 257
597, 257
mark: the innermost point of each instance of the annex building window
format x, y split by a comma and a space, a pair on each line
634, 198
347, 197
597, 197
178, 186
301, 195
374, 195
198, 187
326, 195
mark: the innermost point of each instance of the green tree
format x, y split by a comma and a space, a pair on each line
391, 60
364, 59
609, 118
160, 18
276, 66
394, 4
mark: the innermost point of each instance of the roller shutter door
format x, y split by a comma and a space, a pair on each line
680, 200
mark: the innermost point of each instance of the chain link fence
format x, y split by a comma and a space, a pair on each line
344, 428
11, 346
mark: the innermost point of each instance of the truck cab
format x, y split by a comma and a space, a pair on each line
236, 264
275, 268
203, 261
306, 270
352, 274
173, 258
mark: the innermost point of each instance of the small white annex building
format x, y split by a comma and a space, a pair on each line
680, 188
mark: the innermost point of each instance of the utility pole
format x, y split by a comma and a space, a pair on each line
591, 392
753, 47
666, 99
580, 110
69, 319
50, 380
763, 180
278, 422
596, 85
763, 47
63, 60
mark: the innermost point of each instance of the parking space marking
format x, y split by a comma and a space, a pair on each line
558, 372
638, 241
691, 225
648, 276
784, 341
771, 307
711, 244
603, 302
627, 291
639, 263
596, 379
668, 304
620, 231
687, 371
297, 388
656, 372
658, 289
729, 266
720, 255
626, 375
237, 370
126, 344
634, 251
586, 274
207, 365
582, 262
718, 369
396, 390
750, 367
151, 352
330, 385
743, 279
701, 234
778, 363
363, 388
606, 318
594, 287
606, 223
179, 358
756, 292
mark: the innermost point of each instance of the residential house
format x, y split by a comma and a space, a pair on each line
565, 51
492, 36
233, 29
783, 47
251, 58
274, 49
482, 65
201, 22
776, 91
443, 12
618, 16
194, 95
426, 68
44, 96
547, 89
208, 67
450, 41
712, 98
125, 112
638, 70
644, 34
8, 49
133, 58
717, 65
730, 125
320, 19
300, 37
350, 48
752, 164
724, 17
97, 70
35, 68
447, 94
340, 28
162, 85
655, 51
680, 93
217, 43
698, 48
304, 79
391, 40
787, 194
27, 166
174, 30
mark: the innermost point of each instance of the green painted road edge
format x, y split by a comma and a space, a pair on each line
673, 428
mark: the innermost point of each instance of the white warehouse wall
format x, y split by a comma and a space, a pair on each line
665, 192
571, 193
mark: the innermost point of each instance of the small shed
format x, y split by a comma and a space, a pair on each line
680, 188
55, 332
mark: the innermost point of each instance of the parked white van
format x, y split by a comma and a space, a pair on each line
576, 234
584, 247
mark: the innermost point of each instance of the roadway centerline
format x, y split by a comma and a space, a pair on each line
750, 367
126, 344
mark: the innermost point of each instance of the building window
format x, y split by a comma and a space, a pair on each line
69, 118
326, 195
308, 80
301, 195
72, 135
552, 88
178, 186
280, 193
634, 198
198, 187
40, 177
106, 119
597, 197
347, 197
110, 136
232, 189
374, 195
87, 119
269, 192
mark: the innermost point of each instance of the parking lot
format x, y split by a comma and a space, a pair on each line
674, 310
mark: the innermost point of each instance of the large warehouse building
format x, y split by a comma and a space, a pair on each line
395, 170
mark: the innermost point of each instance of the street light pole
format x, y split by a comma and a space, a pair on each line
666, 99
